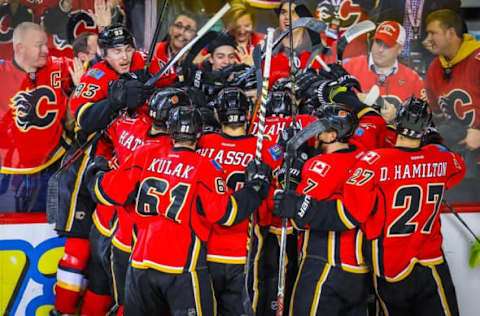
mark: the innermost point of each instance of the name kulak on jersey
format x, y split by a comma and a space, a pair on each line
165, 166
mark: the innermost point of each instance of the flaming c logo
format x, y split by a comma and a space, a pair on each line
25, 107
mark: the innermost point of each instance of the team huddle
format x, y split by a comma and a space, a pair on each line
192, 193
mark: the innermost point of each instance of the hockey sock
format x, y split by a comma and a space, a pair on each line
70, 275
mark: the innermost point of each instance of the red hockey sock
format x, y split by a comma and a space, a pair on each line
70, 276
95, 304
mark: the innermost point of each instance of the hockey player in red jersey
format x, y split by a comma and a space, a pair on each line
394, 195
128, 134
95, 103
33, 111
233, 149
328, 258
171, 272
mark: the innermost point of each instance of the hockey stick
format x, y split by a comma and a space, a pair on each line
312, 129
305, 22
313, 56
372, 96
178, 55
352, 33
460, 219
155, 36
283, 235
474, 257
247, 304
257, 60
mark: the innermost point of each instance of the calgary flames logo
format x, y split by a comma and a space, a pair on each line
25, 106
458, 105
348, 13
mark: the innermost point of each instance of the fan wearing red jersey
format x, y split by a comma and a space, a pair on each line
233, 149
453, 88
34, 102
171, 272
394, 194
330, 280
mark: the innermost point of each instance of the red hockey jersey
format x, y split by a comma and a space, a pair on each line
177, 194
228, 244
32, 109
396, 88
458, 96
323, 177
395, 193
371, 132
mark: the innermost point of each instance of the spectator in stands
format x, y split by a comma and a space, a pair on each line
34, 119
12, 13
412, 14
453, 89
241, 24
396, 81
183, 30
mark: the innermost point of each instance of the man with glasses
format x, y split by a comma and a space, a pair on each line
181, 32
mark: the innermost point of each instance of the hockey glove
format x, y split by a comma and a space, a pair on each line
117, 94
258, 175
295, 172
305, 84
288, 204
339, 74
432, 136
137, 94
98, 165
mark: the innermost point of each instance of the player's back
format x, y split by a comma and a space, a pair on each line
228, 244
400, 190
171, 233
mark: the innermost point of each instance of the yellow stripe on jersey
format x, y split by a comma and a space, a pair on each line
99, 195
226, 259
358, 247
76, 188
196, 293
101, 229
318, 289
71, 287
58, 154
331, 248
408, 269
120, 245
196, 250
256, 263
365, 110
441, 291
343, 216
376, 266
160, 267
80, 113
233, 212
354, 269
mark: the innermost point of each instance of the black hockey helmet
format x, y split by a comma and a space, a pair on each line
184, 124
413, 118
162, 101
340, 119
115, 35
279, 103
232, 106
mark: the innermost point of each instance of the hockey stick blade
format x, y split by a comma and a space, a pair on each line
372, 95
305, 134
257, 61
313, 55
178, 55
351, 34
